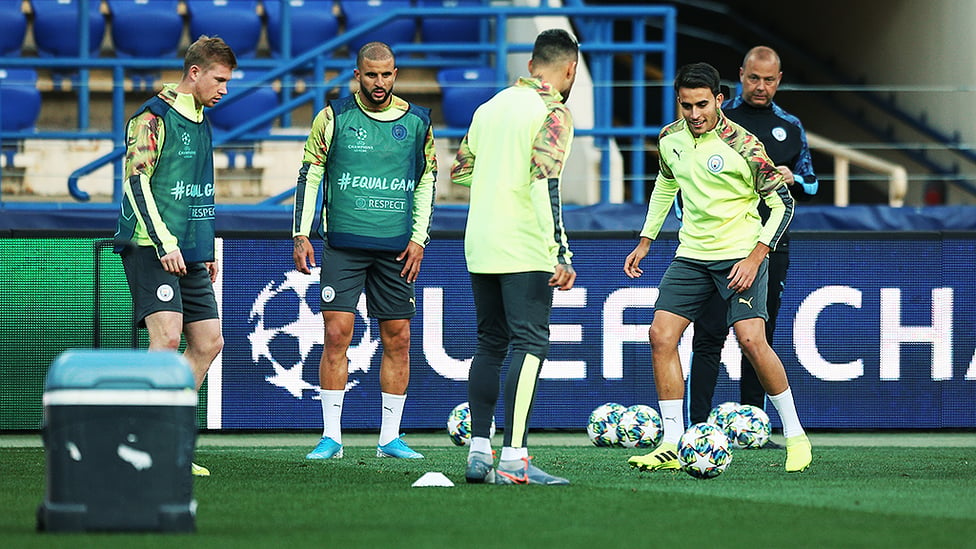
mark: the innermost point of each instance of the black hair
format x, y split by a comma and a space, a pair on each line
554, 46
698, 75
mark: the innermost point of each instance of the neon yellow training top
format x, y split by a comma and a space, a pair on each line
721, 176
512, 158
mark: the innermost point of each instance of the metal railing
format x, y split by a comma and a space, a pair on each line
844, 156
595, 25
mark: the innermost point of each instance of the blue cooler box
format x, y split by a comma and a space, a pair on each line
119, 433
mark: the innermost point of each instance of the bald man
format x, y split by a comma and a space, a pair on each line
785, 142
374, 153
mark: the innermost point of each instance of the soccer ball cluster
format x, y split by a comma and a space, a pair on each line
705, 449
745, 425
459, 425
637, 426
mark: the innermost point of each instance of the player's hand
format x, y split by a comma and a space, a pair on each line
742, 276
743, 273
411, 258
212, 269
787, 174
303, 254
173, 263
632, 263
563, 277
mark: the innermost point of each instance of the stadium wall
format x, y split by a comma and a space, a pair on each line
905, 50
877, 331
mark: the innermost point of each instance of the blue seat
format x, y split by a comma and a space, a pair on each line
56, 27
440, 30
463, 91
360, 12
230, 115
13, 28
145, 28
312, 22
237, 22
20, 100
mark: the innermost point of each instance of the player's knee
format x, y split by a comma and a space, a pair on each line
661, 339
167, 341
752, 347
337, 337
214, 346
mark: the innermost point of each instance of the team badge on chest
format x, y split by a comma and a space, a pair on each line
715, 163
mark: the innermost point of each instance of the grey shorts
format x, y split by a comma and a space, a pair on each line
689, 283
154, 290
346, 273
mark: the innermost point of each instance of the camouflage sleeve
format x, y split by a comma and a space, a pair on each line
549, 151
312, 171
463, 168
144, 139
771, 187
423, 203
552, 144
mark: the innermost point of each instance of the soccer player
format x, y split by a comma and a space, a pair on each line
516, 249
722, 171
374, 152
785, 142
165, 231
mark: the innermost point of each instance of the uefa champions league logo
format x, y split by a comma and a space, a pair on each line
286, 329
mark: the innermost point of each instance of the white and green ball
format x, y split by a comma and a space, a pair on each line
719, 416
459, 425
703, 451
640, 426
602, 425
748, 427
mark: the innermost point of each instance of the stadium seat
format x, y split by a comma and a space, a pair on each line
462, 91
227, 116
439, 30
13, 28
20, 100
56, 27
360, 12
145, 28
237, 22
312, 22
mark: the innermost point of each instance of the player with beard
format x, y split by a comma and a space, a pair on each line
374, 152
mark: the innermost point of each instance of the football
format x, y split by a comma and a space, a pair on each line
747, 427
640, 426
602, 425
719, 416
459, 425
703, 451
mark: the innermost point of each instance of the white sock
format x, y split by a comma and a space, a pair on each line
787, 413
672, 413
480, 444
332, 413
392, 412
510, 454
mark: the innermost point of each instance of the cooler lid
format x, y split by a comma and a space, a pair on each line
119, 369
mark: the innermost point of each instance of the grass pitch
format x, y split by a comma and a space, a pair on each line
263, 493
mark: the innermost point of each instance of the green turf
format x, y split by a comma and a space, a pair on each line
871, 496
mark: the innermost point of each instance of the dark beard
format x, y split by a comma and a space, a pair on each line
369, 98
